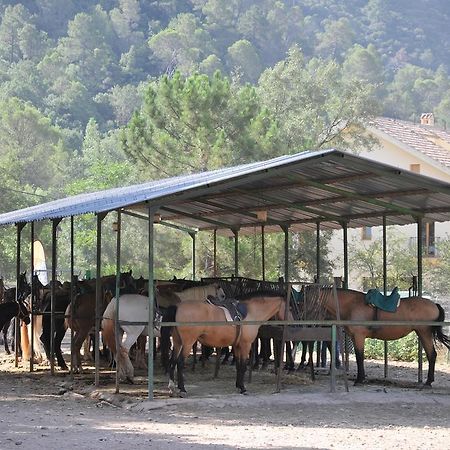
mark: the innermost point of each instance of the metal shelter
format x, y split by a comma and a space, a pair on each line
327, 189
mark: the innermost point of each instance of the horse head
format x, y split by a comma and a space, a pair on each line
24, 287
24, 313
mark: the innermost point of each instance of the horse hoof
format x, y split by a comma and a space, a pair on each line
359, 382
182, 394
426, 386
244, 392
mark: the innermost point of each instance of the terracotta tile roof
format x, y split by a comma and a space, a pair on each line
429, 140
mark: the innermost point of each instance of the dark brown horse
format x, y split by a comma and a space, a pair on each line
9, 296
12, 309
260, 307
352, 306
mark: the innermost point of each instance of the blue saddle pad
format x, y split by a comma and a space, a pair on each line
387, 303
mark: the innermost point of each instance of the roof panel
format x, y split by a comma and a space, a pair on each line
297, 190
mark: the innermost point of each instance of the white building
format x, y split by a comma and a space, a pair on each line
421, 148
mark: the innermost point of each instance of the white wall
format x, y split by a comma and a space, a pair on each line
389, 153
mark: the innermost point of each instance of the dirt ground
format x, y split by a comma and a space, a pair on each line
38, 410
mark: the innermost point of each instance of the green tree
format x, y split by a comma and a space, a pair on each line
315, 105
198, 123
182, 45
33, 151
367, 260
336, 39
243, 57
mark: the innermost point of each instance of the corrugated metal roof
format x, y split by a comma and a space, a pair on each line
298, 190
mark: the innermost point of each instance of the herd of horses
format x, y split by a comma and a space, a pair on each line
198, 302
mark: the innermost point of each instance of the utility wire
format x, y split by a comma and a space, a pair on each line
24, 192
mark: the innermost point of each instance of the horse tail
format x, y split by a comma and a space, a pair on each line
109, 333
438, 334
25, 342
168, 316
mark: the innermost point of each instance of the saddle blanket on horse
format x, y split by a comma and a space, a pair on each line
387, 303
234, 310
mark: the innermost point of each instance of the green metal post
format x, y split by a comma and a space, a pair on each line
419, 290
151, 297
16, 320
72, 294
236, 252
215, 253
193, 255
33, 300
55, 223
98, 294
385, 292
117, 294
263, 253
345, 235
318, 252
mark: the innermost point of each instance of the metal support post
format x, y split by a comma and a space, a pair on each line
419, 290
98, 294
193, 254
318, 252
151, 297
236, 252
55, 223
33, 299
16, 320
386, 369
215, 253
72, 296
117, 294
263, 253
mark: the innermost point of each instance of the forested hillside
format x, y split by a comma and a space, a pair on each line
99, 94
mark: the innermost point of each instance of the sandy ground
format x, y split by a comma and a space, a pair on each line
38, 410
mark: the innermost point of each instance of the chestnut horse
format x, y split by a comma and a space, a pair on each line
260, 307
352, 306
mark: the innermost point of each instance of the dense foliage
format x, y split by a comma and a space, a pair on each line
100, 94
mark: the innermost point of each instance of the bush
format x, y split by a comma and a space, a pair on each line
404, 349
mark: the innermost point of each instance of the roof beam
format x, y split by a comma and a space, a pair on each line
430, 184
195, 217
354, 196
239, 191
277, 205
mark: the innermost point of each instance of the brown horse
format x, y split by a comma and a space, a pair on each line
260, 307
352, 306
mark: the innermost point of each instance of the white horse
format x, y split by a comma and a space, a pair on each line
134, 308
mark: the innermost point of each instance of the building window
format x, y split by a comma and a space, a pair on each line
414, 168
366, 233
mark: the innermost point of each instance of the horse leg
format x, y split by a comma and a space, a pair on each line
140, 352
241, 368
194, 354
26, 346
358, 342
45, 336
303, 357
5, 337
59, 336
289, 356
426, 338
